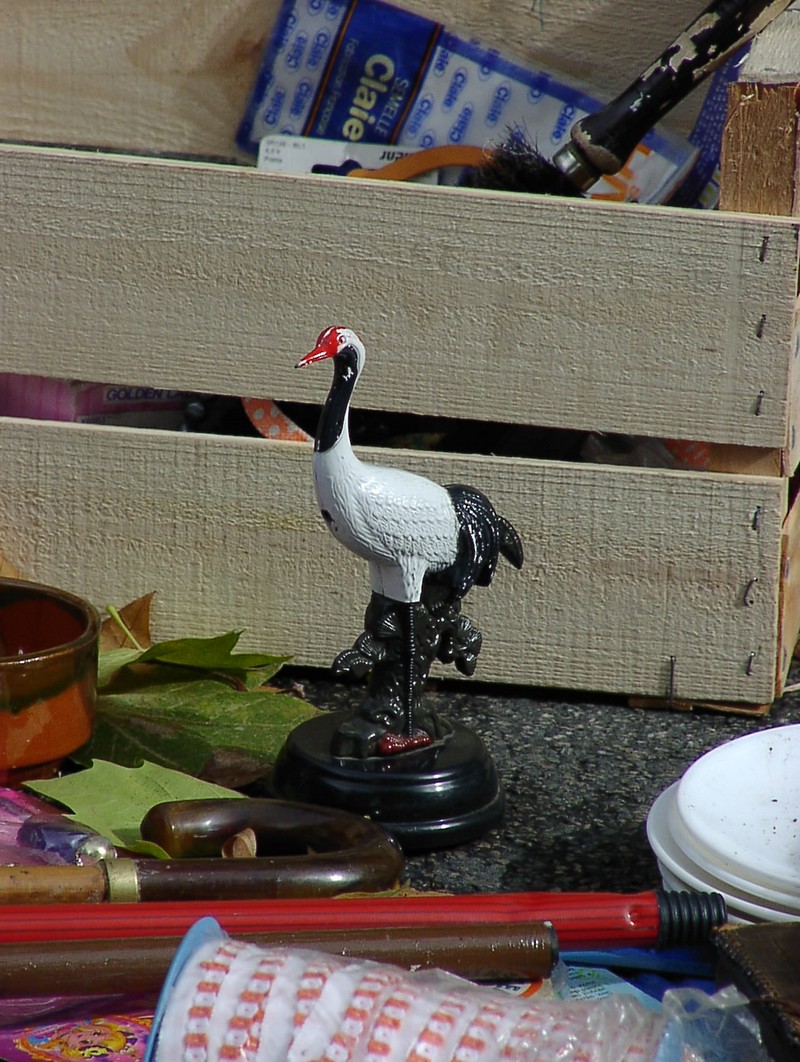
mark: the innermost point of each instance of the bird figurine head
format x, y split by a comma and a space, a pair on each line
334, 342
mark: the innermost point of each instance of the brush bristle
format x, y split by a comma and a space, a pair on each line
516, 166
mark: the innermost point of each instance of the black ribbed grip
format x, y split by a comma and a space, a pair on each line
689, 917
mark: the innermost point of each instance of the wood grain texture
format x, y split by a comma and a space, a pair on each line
774, 55
791, 455
148, 76
175, 77
624, 567
760, 160
474, 304
746, 460
789, 591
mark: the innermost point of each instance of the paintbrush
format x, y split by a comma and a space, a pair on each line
601, 143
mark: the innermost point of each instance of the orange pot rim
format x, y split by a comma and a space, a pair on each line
84, 640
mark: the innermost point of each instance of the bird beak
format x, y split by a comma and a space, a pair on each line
319, 353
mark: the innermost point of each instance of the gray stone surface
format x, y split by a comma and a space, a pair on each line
580, 774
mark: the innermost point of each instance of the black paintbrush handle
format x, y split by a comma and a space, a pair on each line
603, 142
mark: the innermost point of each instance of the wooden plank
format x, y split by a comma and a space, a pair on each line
152, 76
745, 460
760, 168
624, 567
774, 55
678, 705
147, 76
791, 457
474, 304
760, 159
790, 592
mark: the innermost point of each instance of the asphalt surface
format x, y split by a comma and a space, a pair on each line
580, 774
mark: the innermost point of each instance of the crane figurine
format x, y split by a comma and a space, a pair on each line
426, 546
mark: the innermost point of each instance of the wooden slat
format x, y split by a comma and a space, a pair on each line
147, 76
760, 162
745, 460
624, 567
790, 591
474, 304
774, 56
760, 158
156, 76
792, 451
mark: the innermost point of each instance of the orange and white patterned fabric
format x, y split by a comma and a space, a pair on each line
271, 422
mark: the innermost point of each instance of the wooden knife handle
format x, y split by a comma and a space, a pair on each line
52, 884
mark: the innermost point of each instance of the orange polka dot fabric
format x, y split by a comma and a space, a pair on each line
269, 421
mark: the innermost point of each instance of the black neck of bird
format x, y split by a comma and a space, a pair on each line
333, 419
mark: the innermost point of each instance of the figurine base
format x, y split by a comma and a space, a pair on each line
442, 795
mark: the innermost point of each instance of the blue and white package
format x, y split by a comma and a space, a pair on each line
701, 188
339, 69
364, 70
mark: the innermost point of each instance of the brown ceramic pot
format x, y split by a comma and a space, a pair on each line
48, 678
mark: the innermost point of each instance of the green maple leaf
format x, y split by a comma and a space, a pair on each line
193, 705
113, 800
201, 654
194, 721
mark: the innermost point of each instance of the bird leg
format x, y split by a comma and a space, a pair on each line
395, 658
410, 691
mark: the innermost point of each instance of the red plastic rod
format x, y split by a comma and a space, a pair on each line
582, 920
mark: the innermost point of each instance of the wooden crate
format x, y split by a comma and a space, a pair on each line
562, 314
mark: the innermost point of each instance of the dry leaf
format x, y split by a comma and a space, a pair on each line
136, 617
8, 571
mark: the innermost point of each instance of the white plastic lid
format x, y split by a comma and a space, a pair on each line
739, 809
681, 872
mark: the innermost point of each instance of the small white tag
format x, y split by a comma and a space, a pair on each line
306, 154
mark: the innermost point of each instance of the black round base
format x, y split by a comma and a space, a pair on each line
442, 795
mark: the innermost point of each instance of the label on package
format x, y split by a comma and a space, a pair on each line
366, 71
306, 154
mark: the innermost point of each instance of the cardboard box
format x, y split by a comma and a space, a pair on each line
213, 277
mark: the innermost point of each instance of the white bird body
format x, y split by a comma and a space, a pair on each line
403, 524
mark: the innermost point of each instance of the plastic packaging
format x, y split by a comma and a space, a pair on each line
71, 842
225, 999
703, 1028
41, 398
372, 72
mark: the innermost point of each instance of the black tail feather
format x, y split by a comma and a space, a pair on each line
484, 537
510, 543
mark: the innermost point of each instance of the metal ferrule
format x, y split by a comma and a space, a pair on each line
576, 167
123, 880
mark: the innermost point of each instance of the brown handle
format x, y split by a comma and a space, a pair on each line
262, 878
99, 967
52, 884
303, 850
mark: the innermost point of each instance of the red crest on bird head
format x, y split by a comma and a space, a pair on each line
329, 343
